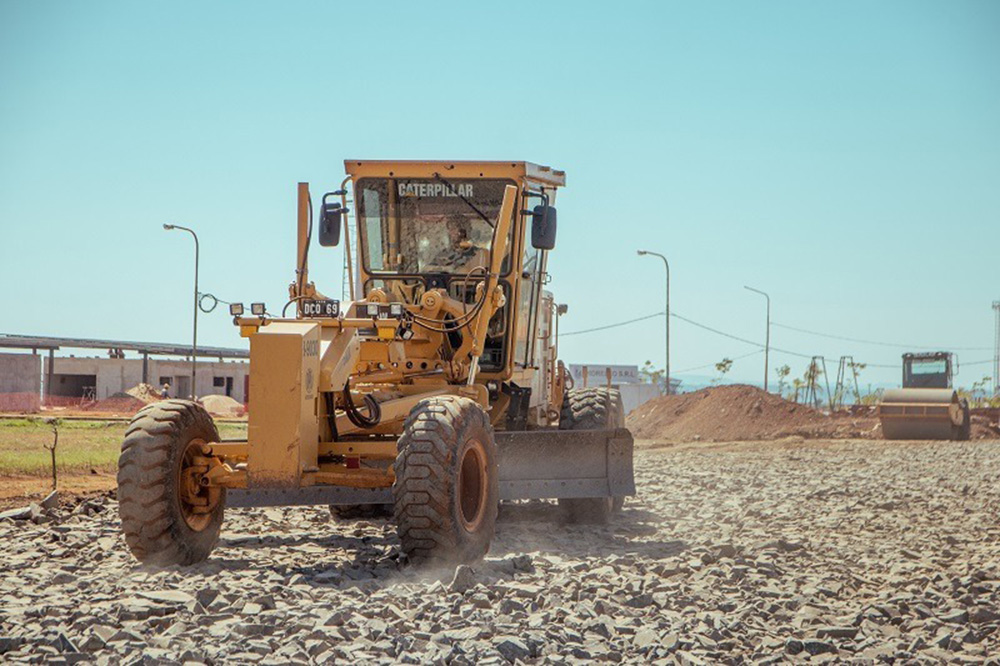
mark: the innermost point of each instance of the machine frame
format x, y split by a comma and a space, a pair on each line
333, 399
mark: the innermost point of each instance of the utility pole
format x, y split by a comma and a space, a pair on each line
194, 341
666, 314
767, 334
996, 350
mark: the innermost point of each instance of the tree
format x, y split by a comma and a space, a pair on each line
978, 395
872, 397
811, 373
812, 386
650, 375
797, 385
857, 368
847, 383
723, 366
782, 373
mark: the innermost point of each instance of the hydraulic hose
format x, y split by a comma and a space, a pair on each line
355, 416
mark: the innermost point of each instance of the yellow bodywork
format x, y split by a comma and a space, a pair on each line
306, 372
283, 432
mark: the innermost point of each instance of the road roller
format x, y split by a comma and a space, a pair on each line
927, 407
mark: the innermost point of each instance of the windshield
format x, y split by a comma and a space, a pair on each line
416, 226
928, 367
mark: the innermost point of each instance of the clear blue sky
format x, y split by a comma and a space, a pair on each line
843, 156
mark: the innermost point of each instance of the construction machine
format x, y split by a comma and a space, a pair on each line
435, 389
927, 407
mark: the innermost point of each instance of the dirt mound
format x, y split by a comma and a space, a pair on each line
222, 405
144, 392
739, 412
116, 403
983, 427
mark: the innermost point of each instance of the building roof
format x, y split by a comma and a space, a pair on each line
154, 348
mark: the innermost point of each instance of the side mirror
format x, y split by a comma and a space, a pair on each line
543, 227
329, 222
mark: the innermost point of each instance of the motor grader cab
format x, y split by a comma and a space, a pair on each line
927, 407
435, 390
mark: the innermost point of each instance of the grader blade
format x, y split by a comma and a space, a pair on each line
551, 464
534, 464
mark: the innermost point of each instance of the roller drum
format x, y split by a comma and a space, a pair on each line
920, 395
922, 414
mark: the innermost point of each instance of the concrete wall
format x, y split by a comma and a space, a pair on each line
20, 373
634, 395
625, 378
117, 375
19, 382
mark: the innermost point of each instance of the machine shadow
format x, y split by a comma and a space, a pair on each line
540, 526
347, 554
523, 527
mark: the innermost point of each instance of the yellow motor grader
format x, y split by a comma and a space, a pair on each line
435, 390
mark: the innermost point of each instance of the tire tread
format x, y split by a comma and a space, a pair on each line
154, 529
424, 492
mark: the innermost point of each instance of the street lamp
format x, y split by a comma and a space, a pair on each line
666, 313
194, 341
767, 335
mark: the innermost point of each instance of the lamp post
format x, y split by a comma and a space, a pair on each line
666, 314
767, 335
194, 341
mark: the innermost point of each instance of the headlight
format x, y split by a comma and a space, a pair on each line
236, 309
396, 310
372, 309
258, 309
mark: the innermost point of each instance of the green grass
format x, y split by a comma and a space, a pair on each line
83, 445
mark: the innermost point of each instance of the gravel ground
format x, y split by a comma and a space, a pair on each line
818, 551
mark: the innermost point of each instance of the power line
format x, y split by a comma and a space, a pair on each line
738, 338
760, 346
660, 314
996, 351
712, 365
716, 331
871, 342
693, 323
604, 328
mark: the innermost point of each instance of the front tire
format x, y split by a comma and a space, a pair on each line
446, 490
166, 516
596, 408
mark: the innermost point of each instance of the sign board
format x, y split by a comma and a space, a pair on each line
597, 375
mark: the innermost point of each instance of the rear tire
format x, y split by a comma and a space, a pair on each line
446, 491
595, 408
166, 518
963, 433
592, 409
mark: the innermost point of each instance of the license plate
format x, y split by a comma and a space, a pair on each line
320, 308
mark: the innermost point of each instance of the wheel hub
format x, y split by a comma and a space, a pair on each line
472, 486
197, 501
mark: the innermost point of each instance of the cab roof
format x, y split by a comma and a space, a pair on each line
455, 169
